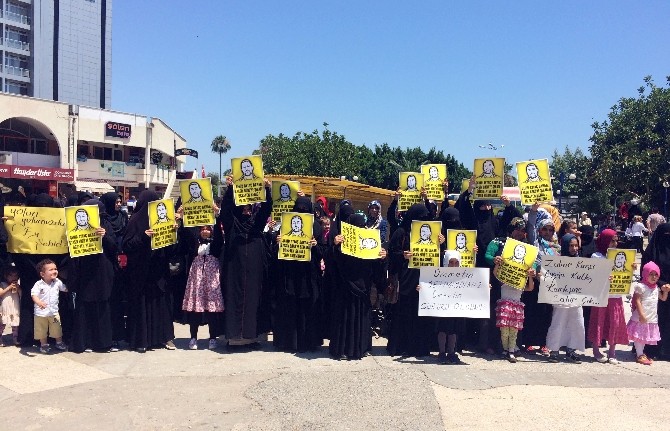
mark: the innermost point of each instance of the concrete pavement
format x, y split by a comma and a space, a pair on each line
267, 390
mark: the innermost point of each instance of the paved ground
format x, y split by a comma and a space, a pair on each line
267, 390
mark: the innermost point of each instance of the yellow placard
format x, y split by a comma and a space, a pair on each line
284, 194
81, 223
36, 230
424, 243
360, 242
197, 200
489, 174
433, 176
161, 221
465, 184
534, 181
296, 233
517, 257
464, 242
411, 184
248, 186
622, 270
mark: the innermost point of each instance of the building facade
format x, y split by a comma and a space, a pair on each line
57, 49
55, 147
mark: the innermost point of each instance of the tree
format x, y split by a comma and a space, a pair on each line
220, 145
631, 150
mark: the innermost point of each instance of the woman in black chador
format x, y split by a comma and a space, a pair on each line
351, 336
296, 326
245, 261
149, 299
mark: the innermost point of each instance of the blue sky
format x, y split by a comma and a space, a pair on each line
532, 76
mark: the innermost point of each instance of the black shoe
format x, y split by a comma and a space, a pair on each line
553, 357
343, 358
453, 359
573, 357
511, 358
442, 358
141, 350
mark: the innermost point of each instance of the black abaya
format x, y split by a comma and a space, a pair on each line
658, 251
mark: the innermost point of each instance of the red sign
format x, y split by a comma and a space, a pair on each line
36, 173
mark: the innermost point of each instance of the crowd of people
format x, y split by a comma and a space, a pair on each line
228, 277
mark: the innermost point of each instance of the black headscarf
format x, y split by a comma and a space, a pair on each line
588, 244
139, 222
658, 251
451, 219
357, 220
415, 212
117, 219
42, 200
565, 244
302, 205
72, 200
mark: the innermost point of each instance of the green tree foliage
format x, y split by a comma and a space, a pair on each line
330, 154
631, 150
220, 145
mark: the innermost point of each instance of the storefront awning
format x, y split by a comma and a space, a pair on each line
93, 187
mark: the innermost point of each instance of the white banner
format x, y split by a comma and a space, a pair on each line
575, 281
454, 292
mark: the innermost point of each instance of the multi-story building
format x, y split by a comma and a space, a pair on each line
57, 49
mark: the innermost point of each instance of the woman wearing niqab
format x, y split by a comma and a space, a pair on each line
351, 336
296, 326
149, 299
409, 335
244, 266
658, 251
91, 279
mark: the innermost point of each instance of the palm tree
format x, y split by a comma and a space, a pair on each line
220, 145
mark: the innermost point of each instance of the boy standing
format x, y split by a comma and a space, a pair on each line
45, 296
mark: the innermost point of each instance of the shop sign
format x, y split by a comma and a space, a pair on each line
117, 130
36, 173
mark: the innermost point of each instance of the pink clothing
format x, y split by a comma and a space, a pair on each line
509, 313
203, 288
647, 333
608, 323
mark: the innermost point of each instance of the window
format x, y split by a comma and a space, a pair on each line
20, 145
98, 153
16, 87
83, 150
118, 155
108, 153
40, 147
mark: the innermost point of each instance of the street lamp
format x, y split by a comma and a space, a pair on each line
561, 178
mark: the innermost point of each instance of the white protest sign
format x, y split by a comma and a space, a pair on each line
454, 292
575, 281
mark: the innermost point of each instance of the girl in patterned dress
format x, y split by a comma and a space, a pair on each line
203, 300
10, 303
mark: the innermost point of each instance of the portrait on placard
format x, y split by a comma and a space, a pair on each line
434, 176
296, 234
248, 185
284, 195
360, 242
489, 174
411, 184
517, 258
424, 243
534, 181
162, 222
464, 242
81, 225
622, 270
196, 195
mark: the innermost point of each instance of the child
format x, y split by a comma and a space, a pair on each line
509, 311
10, 304
567, 321
45, 296
643, 324
203, 300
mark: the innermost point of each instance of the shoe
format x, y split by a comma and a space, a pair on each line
213, 344
141, 350
367, 354
442, 358
573, 357
343, 358
642, 359
45, 349
453, 359
511, 358
88, 350
553, 357
601, 359
612, 361
545, 351
113, 349
193, 344
170, 345
62, 346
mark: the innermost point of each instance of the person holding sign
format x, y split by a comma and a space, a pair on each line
643, 324
149, 308
296, 324
607, 323
351, 336
567, 321
245, 262
409, 333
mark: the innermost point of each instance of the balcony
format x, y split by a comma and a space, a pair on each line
16, 17
17, 44
17, 71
